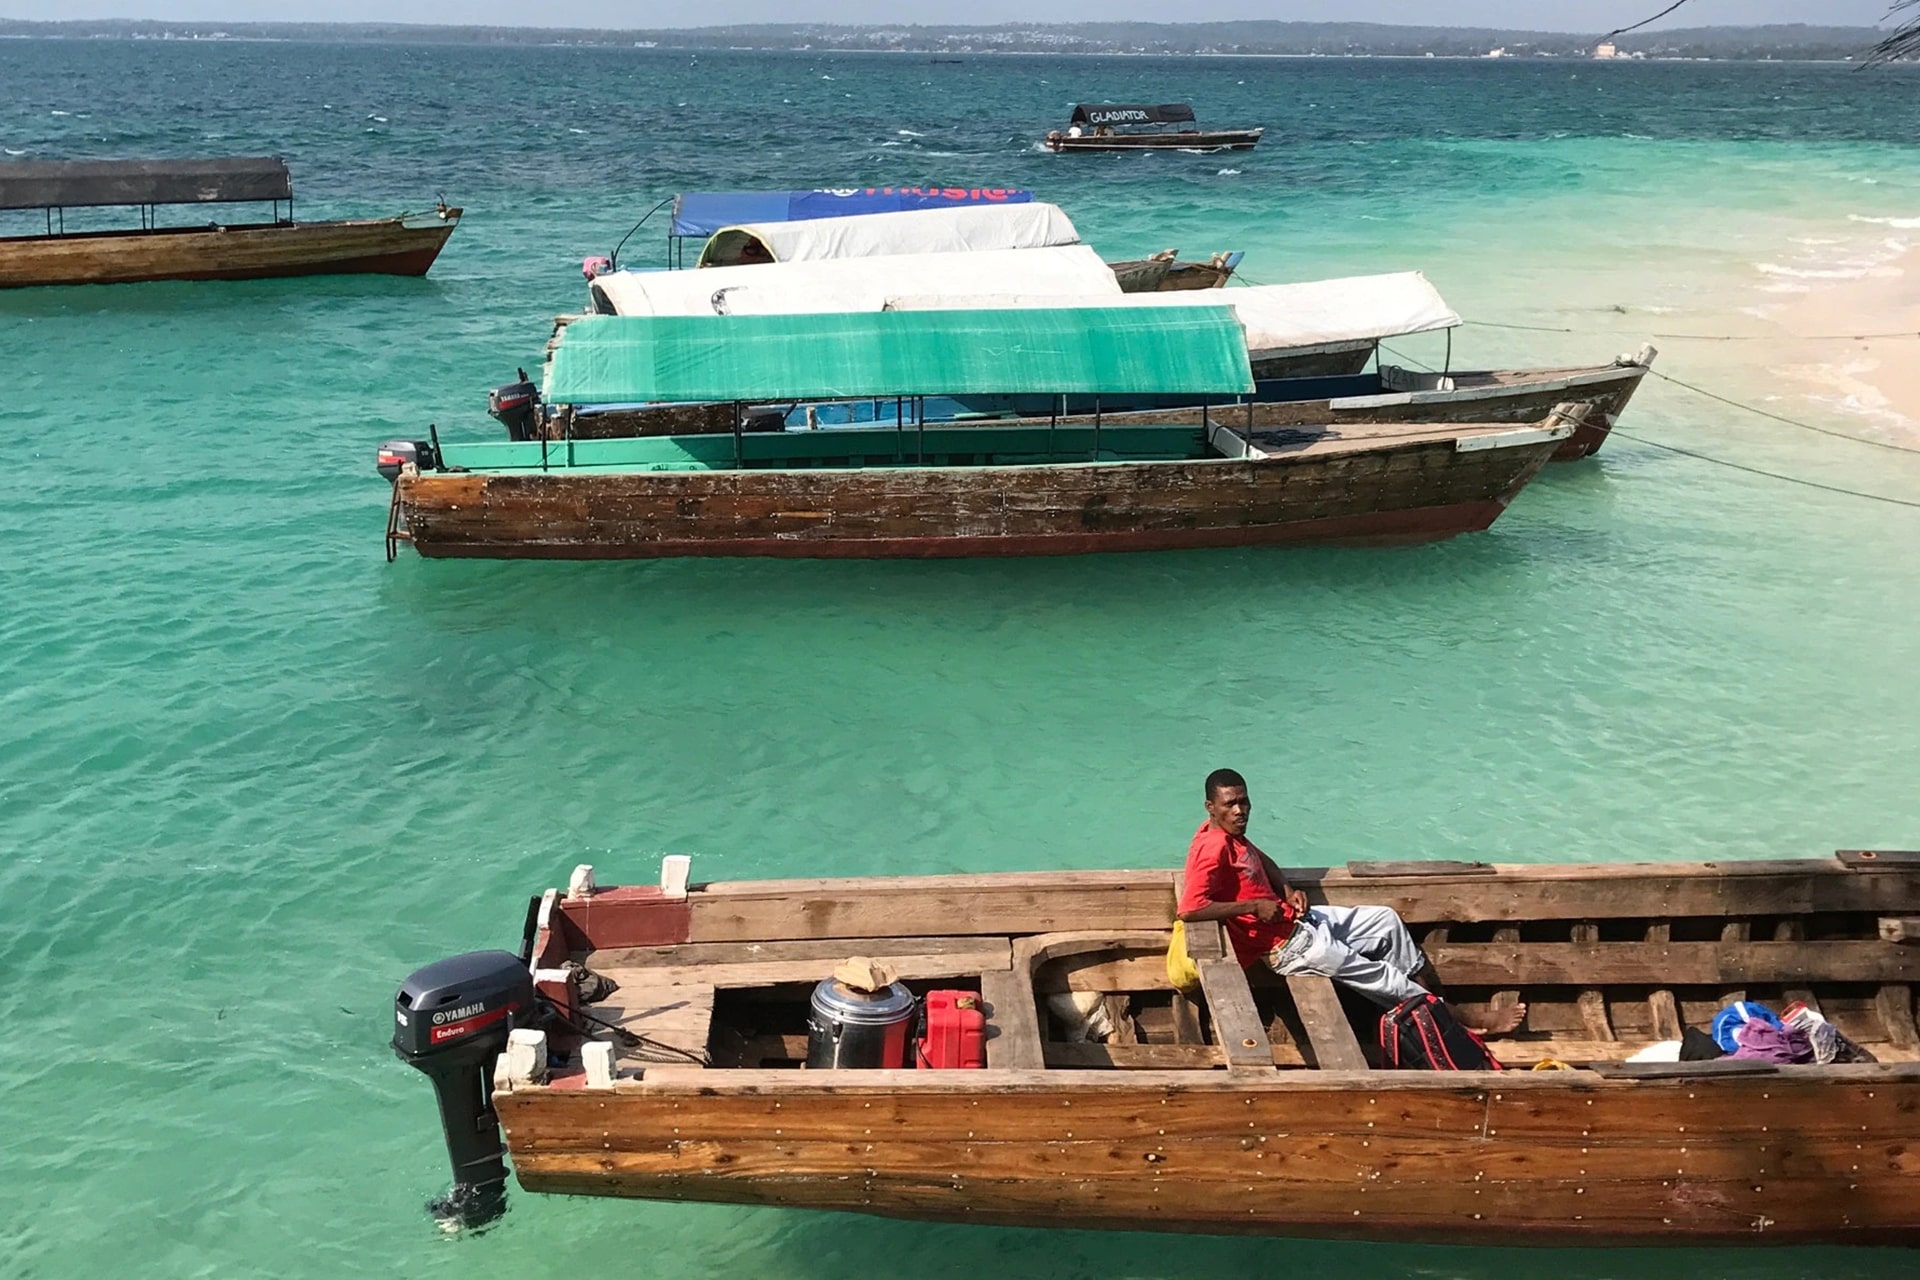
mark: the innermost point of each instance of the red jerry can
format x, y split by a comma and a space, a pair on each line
956, 1031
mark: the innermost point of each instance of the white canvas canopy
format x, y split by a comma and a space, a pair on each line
1277, 317
968, 229
862, 284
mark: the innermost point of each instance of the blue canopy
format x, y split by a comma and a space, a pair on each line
701, 213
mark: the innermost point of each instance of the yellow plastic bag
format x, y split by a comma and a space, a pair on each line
1182, 972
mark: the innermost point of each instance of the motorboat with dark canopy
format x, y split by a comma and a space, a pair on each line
218, 250
1129, 127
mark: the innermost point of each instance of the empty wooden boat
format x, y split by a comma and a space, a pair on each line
1112, 127
404, 245
1253, 1106
943, 489
1163, 272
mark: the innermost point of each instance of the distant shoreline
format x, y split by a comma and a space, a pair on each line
1795, 43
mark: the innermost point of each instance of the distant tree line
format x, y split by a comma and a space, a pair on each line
1329, 39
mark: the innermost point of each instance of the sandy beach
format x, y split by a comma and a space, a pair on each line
1877, 373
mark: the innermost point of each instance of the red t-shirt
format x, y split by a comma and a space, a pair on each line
1224, 868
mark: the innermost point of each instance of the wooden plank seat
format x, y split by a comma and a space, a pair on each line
674, 1022
747, 964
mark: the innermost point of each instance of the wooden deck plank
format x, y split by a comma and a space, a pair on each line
985, 954
1013, 1021
1330, 1037
677, 1019
1672, 964
1237, 1025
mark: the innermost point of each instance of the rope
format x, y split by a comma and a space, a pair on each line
1771, 475
1620, 31
1804, 426
1704, 337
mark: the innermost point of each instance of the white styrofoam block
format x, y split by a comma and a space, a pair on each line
675, 868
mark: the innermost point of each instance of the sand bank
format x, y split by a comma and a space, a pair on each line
1877, 372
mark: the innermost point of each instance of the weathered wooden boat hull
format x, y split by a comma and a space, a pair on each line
1487, 1158
1247, 1142
1499, 396
383, 246
1204, 140
1166, 275
1416, 486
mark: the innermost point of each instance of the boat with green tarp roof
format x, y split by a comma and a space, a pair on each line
955, 488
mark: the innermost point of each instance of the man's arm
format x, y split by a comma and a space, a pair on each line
1296, 901
1263, 908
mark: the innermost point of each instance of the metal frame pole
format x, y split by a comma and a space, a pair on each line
739, 443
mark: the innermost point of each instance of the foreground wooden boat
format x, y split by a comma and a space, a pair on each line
1107, 127
225, 251
1252, 1108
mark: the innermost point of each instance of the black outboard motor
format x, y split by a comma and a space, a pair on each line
451, 1021
395, 454
515, 406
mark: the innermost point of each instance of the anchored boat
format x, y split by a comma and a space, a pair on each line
921, 489
404, 245
766, 228
1109, 127
1308, 344
1107, 1098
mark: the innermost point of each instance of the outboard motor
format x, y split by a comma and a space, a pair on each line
451, 1021
395, 454
515, 406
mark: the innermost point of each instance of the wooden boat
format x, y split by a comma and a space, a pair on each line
1254, 1107
1163, 272
954, 489
1107, 127
216, 251
1403, 395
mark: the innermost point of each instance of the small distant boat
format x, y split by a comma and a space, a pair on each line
405, 245
1163, 272
917, 489
1109, 127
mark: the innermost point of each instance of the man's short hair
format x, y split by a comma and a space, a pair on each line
1220, 779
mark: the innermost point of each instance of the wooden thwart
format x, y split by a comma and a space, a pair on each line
1330, 1036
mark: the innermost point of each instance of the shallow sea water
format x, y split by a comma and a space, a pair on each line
250, 775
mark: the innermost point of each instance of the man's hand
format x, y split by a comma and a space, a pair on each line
1264, 909
1296, 902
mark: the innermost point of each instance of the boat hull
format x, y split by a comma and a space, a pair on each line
383, 246
1522, 396
1207, 140
1474, 1158
1418, 487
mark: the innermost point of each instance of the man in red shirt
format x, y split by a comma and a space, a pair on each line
1269, 922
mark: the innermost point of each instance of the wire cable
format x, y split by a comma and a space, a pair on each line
1791, 422
1771, 475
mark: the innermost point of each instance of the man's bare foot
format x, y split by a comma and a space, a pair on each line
1493, 1021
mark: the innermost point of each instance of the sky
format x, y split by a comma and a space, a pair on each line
1536, 15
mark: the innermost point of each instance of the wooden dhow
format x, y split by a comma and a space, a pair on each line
952, 489
1253, 1106
406, 245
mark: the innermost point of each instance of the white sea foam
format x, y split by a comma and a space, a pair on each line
909, 133
10, 151
1898, 224
378, 119
570, 129
63, 113
1228, 173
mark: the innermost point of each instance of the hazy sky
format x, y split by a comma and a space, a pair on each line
1556, 15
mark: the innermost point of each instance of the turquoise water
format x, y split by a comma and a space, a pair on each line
250, 775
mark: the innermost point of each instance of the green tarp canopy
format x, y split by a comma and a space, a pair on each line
1091, 351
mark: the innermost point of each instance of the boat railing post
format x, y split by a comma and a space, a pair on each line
1446, 366
1096, 428
1053, 421
739, 442
920, 418
899, 430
